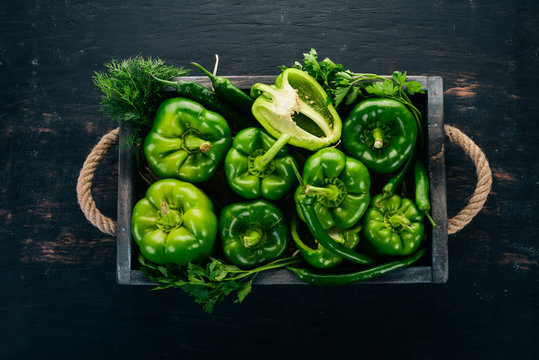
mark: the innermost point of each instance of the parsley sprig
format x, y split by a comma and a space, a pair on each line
209, 284
131, 94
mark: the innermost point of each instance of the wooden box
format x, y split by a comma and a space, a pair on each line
431, 269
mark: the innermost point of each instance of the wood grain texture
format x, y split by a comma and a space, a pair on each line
58, 272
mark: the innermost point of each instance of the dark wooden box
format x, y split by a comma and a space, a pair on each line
433, 270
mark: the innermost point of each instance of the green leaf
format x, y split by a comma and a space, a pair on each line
414, 87
162, 287
345, 75
199, 292
163, 270
208, 307
229, 286
310, 64
244, 291
340, 93
384, 88
352, 96
399, 77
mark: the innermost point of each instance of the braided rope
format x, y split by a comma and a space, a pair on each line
457, 223
84, 184
484, 180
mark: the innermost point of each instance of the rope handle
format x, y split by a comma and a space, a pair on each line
484, 179
84, 183
456, 223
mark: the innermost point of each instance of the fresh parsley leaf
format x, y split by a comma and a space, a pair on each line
340, 94
352, 96
384, 88
244, 291
208, 284
399, 77
414, 87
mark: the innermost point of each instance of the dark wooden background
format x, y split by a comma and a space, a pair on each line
59, 296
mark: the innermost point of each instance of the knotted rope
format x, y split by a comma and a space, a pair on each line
457, 223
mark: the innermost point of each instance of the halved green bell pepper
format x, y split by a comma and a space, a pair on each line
297, 106
174, 223
186, 142
258, 166
320, 257
341, 185
393, 226
381, 133
253, 233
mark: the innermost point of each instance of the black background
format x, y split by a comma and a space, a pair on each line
59, 296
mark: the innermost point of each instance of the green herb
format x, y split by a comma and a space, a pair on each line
131, 94
347, 87
211, 283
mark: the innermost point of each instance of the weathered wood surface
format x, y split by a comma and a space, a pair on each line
58, 272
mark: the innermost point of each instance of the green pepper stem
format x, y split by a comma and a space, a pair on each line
296, 171
431, 220
252, 237
194, 143
168, 218
328, 192
378, 135
262, 161
398, 220
174, 84
206, 72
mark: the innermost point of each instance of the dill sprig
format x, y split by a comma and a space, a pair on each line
131, 94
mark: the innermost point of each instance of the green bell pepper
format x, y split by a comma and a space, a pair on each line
381, 133
253, 233
297, 106
393, 226
320, 257
341, 185
174, 223
258, 166
186, 142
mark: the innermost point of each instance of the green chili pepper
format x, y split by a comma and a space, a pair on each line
208, 99
253, 233
381, 133
393, 226
258, 166
320, 257
422, 190
297, 105
393, 184
174, 223
306, 204
341, 185
227, 91
186, 141
307, 276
